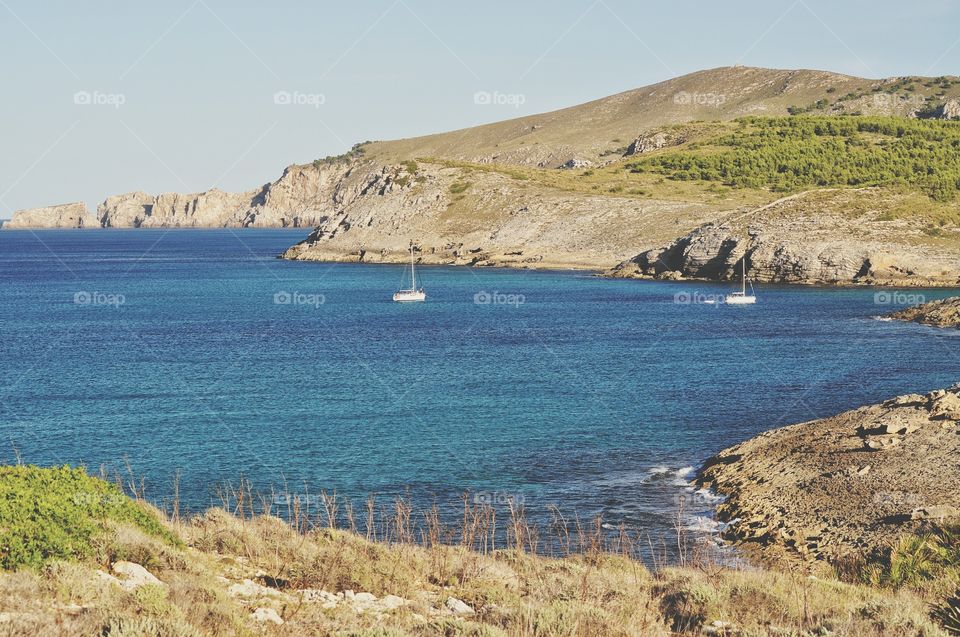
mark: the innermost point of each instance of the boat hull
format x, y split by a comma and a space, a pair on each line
410, 296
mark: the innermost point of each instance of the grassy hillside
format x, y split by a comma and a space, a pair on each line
239, 574
601, 130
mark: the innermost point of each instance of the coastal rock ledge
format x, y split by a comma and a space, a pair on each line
943, 313
842, 487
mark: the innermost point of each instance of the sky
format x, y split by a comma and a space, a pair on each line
110, 96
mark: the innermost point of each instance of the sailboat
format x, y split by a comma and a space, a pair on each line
411, 294
741, 297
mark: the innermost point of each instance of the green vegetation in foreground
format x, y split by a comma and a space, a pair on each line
59, 512
788, 154
930, 562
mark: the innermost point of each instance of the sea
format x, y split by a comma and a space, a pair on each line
191, 361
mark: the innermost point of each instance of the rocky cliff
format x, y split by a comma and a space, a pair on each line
303, 196
821, 237
68, 215
475, 217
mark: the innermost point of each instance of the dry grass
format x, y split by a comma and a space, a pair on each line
596, 589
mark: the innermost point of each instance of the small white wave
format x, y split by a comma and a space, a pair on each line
681, 478
703, 524
706, 495
882, 318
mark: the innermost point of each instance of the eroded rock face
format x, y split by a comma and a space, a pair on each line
304, 196
791, 241
68, 215
845, 485
951, 110
652, 141
493, 220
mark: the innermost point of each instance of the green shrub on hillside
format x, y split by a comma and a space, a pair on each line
58, 512
787, 154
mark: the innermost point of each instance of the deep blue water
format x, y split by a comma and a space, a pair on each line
592, 395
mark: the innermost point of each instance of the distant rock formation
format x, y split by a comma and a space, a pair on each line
304, 196
68, 215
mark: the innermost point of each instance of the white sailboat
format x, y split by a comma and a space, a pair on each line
412, 294
741, 297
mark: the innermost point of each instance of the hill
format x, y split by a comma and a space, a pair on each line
606, 182
604, 129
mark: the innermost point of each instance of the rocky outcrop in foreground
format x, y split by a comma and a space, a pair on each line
842, 486
807, 238
68, 215
943, 313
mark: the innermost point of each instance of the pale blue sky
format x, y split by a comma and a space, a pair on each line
197, 78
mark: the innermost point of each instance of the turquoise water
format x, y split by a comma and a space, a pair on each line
171, 351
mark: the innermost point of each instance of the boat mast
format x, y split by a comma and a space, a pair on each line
743, 279
413, 271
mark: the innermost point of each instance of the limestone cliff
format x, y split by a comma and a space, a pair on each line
486, 218
68, 215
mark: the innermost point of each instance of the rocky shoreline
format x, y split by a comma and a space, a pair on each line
942, 313
808, 238
843, 487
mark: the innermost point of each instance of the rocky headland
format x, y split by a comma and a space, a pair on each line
843, 487
68, 215
571, 189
